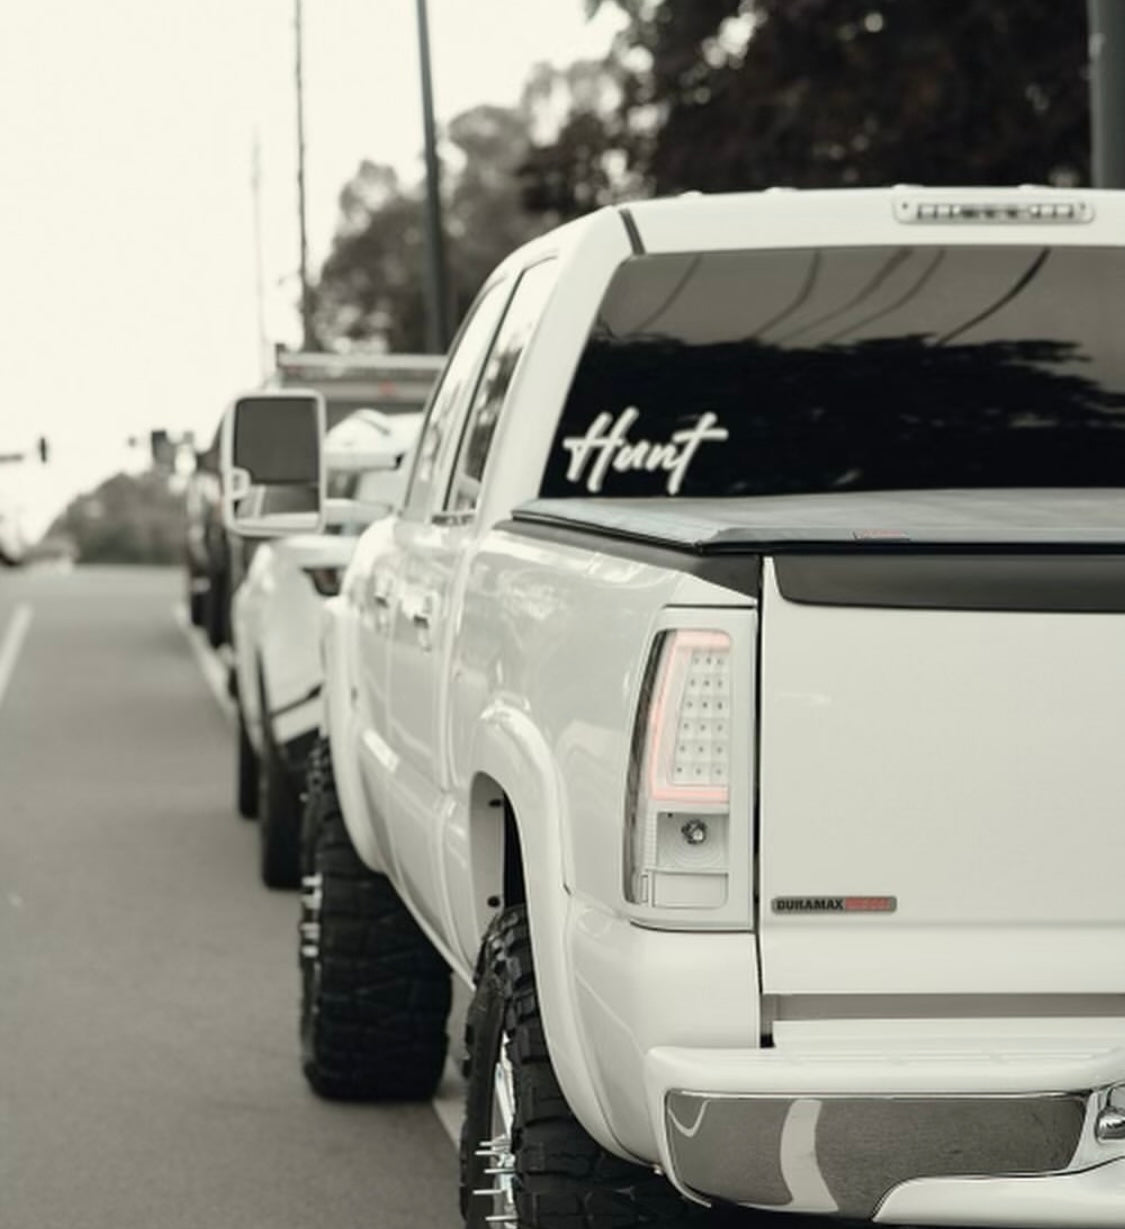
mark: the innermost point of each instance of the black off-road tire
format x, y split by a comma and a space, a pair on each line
564, 1179
279, 816
375, 993
197, 604
216, 618
246, 772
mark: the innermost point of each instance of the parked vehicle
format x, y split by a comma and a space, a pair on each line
206, 551
216, 562
276, 617
736, 701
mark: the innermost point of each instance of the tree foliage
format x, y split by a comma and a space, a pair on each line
130, 518
577, 160
742, 94
372, 285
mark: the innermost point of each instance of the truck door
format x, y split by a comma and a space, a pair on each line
404, 584
434, 555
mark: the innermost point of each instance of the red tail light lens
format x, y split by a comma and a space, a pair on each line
679, 786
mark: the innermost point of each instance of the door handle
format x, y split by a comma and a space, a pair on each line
381, 593
424, 615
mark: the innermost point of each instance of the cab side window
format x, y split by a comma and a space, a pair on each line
456, 385
524, 310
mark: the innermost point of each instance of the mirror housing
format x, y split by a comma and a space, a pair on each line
273, 464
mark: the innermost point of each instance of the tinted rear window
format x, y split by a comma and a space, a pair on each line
803, 371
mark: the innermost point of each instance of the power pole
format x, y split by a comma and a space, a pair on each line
437, 317
259, 261
307, 334
1107, 92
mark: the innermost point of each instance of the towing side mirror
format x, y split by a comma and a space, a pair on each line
272, 464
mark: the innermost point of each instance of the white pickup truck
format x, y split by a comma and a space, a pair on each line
275, 623
739, 701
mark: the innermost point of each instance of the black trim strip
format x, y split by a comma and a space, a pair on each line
739, 573
288, 708
1044, 582
632, 231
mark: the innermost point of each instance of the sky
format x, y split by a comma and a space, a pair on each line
127, 239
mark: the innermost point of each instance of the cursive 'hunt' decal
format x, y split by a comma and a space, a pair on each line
607, 444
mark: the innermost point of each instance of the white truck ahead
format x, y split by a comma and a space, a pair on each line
737, 701
275, 622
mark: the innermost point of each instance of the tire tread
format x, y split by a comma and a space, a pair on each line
374, 1013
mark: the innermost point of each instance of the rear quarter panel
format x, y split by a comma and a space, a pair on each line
546, 662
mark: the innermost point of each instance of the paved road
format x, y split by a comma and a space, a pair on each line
148, 985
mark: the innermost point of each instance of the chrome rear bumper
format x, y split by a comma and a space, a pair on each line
845, 1154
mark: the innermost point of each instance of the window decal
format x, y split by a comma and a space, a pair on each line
607, 444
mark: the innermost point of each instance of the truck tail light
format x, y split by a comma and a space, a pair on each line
678, 803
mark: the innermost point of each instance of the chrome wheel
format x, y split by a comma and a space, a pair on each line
312, 893
500, 1169
308, 930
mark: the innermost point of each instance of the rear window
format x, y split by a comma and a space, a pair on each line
877, 368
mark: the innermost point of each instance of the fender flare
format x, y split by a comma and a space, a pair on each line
510, 748
341, 725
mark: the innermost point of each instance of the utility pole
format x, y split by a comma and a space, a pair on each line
437, 317
1107, 92
307, 335
259, 261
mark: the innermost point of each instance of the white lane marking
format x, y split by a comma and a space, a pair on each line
210, 666
12, 643
799, 1166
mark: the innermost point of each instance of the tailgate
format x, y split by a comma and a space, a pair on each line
968, 763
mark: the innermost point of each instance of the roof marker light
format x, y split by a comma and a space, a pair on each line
993, 212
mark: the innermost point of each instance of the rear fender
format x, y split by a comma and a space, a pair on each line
512, 750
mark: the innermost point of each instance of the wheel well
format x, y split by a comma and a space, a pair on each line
496, 853
515, 890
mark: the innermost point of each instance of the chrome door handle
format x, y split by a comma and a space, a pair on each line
423, 616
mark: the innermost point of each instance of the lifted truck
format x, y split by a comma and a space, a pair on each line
215, 560
737, 700
275, 624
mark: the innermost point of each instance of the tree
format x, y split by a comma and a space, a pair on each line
130, 518
579, 154
485, 216
372, 285
742, 94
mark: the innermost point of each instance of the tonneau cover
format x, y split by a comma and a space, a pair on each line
913, 519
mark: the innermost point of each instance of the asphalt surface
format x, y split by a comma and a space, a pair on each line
148, 985
149, 1072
